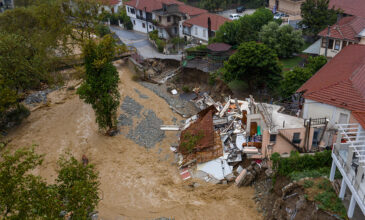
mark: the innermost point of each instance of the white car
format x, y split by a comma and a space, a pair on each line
279, 15
234, 16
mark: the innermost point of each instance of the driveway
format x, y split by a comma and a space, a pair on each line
233, 11
141, 43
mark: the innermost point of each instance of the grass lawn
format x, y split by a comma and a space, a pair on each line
290, 63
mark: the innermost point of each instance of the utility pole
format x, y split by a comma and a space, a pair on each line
327, 40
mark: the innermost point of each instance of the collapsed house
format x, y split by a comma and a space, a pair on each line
220, 137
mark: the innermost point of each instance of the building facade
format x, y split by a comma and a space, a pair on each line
290, 7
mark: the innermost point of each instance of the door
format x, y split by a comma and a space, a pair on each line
343, 119
253, 128
315, 137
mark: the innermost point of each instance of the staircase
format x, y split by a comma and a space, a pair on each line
289, 138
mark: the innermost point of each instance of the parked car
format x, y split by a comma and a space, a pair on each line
234, 16
279, 15
240, 9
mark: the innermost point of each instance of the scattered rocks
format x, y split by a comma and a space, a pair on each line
131, 107
185, 108
38, 97
141, 95
147, 133
124, 120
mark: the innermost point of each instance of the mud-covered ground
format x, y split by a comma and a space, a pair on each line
139, 179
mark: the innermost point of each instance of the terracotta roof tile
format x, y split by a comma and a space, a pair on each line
202, 21
346, 28
341, 82
192, 11
151, 5
360, 117
219, 47
351, 7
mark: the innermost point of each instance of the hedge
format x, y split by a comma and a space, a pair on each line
285, 166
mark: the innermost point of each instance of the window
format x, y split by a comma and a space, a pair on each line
143, 25
168, 18
175, 30
344, 44
133, 11
296, 138
159, 18
128, 9
272, 137
324, 42
150, 26
337, 44
343, 118
196, 31
204, 33
330, 44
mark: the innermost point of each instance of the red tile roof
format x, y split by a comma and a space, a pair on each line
347, 28
218, 47
351, 7
202, 21
360, 117
341, 82
151, 5
192, 11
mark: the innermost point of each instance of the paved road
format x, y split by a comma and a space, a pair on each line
141, 43
233, 11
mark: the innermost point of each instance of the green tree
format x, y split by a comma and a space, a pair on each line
316, 16
283, 39
295, 78
100, 88
245, 29
211, 5
26, 196
78, 187
254, 63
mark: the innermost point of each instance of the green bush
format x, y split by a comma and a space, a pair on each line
160, 45
153, 35
102, 30
329, 201
308, 183
186, 89
285, 166
197, 48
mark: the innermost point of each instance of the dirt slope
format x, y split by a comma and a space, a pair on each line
136, 183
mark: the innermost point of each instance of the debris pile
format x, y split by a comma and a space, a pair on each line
213, 143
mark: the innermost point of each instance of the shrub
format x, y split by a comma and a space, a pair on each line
160, 45
102, 30
308, 183
186, 89
285, 166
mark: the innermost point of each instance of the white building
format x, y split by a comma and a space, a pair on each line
335, 91
348, 156
197, 27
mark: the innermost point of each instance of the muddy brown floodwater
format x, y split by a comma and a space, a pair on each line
136, 183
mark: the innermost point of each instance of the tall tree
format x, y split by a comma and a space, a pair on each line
245, 29
316, 16
283, 39
100, 88
298, 76
254, 63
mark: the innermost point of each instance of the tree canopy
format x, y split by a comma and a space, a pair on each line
244, 29
283, 39
254, 63
295, 78
100, 88
316, 16
26, 196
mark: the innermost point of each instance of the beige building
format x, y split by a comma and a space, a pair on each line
290, 7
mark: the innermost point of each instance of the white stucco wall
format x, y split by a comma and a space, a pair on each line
314, 109
128, 9
138, 25
198, 32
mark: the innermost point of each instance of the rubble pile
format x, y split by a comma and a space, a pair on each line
214, 142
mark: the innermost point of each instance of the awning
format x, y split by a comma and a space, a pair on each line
314, 48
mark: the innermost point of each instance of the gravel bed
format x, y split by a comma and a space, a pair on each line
185, 108
131, 107
38, 97
141, 95
147, 133
124, 120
